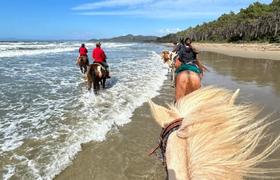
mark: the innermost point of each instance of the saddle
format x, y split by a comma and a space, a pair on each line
102, 67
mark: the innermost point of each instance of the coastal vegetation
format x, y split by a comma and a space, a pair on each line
258, 22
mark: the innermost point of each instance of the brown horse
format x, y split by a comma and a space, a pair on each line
96, 76
186, 81
83, 62
206, 136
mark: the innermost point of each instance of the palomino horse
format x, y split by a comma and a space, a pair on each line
207, 136
95, 76
82, 61
186, 81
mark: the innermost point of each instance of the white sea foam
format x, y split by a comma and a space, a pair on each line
9, 171
48, 112
37, 48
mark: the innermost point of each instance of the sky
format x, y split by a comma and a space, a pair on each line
87, 19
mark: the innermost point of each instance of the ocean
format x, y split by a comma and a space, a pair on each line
46, 111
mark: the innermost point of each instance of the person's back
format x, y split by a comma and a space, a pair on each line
83, 50
98, 55
186, 54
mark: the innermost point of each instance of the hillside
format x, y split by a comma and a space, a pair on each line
129, 38
259, 22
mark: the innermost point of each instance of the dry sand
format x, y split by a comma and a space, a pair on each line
246, 50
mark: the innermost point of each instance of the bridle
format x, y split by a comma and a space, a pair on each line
165, 133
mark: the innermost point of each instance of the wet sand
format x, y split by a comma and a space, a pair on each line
123, 156
246, 50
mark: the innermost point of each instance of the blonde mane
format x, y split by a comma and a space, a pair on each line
221, 137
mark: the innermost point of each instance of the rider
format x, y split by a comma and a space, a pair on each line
83, 52
187, 57
99, 56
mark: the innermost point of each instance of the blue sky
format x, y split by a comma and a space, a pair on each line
85, 19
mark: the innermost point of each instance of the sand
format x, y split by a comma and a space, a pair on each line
246, 50
124, 154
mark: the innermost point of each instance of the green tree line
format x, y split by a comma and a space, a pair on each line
258, 22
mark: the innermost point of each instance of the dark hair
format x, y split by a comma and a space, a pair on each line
98, 44
83, 45
188, 39
181, 40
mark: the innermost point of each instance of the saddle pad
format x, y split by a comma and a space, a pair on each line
188, 67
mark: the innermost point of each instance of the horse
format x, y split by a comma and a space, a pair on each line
96, 75
186, 81
168, 58
206, 136
83, 62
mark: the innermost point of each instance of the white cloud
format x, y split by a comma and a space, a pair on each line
167, 9
169, 30
110, 3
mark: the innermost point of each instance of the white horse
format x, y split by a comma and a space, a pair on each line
212, 138
169, 59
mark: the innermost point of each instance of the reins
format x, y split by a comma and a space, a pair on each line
173, 126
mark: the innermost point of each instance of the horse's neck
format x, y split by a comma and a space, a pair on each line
176, 158
172, 55
169, 62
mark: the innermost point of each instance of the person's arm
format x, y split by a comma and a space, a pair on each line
195, 50
93, 54
86, 50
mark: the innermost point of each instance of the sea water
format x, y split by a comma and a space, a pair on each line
46, 111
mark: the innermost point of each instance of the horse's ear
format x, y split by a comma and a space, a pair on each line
233, 97
162, 115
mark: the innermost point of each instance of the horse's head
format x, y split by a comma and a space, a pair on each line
165, 55
216, 138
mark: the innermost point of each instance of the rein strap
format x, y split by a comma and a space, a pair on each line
165, 134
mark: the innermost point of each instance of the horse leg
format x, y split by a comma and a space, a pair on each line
81, 68
186, 82
103, 83
98, 85
89, 85
95, 87
85, 69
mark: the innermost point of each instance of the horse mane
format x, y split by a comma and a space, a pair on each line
222, 137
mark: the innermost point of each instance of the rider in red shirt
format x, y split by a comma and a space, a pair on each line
83, 50
83, 53
99, 56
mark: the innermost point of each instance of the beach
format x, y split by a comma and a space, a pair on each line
70, 133
247, 50
124, 154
